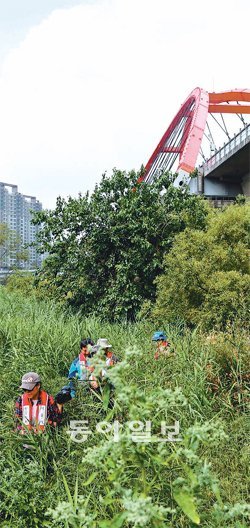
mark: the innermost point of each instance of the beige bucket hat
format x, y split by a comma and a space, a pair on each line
103, 343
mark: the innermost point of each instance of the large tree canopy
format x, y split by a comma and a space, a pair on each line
206, 273
105, 250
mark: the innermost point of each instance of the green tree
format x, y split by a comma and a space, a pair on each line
206, 273
11, 247
105, 250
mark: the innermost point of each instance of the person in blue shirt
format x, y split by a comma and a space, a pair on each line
80, 368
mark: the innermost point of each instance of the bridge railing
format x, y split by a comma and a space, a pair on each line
237, 142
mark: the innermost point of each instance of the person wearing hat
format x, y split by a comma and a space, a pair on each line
35, 409
162, 344
104, 345
110, 359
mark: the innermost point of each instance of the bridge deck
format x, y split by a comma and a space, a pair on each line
239, 142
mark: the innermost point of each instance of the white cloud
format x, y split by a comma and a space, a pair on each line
95, 86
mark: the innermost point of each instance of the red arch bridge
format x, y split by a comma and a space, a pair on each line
226, 172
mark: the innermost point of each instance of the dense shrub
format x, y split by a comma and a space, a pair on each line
22, 282
206, 276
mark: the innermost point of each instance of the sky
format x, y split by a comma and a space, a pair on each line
89, 85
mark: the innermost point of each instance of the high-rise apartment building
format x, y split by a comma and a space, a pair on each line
15, 212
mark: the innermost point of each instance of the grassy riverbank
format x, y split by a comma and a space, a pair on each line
203, 479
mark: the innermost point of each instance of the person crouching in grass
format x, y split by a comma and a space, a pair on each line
163, 347
35, 409
110, 359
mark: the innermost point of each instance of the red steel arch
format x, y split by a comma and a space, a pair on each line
184, 134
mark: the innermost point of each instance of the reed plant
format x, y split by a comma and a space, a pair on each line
114, 481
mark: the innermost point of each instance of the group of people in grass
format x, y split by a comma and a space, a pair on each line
35, 408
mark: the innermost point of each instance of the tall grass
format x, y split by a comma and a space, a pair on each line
58, 482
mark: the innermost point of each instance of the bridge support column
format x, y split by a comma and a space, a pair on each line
200, 183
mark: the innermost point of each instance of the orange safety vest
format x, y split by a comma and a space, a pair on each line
109, 359
41, 412
85, 367
82, 357
162, 349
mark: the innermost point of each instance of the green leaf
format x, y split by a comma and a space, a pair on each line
76, 492
191, 475
90, 479
216, 491
116, 522
186, 503
70, 499
106, 395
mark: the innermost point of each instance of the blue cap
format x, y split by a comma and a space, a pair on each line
159, 336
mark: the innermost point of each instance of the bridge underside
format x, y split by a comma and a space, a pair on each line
227, 173
231, 178
234, 168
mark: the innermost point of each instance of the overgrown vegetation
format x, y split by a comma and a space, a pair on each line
102, 483
135, 256
206, 273
107, 253
105, 250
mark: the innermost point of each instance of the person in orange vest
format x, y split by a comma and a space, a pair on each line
162, 345
35, 409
